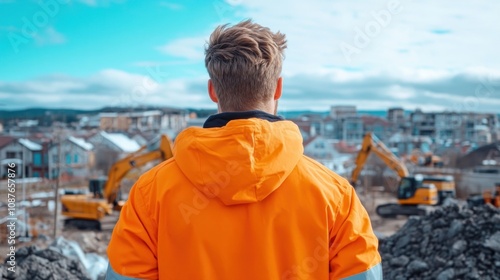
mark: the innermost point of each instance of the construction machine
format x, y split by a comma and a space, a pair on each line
426, 159
413, 191
85, 210
445, 186
488, 197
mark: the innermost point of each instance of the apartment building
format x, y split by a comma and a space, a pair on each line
479, 128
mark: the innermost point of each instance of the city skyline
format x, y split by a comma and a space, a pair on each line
92, 54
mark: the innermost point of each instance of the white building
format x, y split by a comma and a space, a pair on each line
117, 142
76, 155
25, 153
324, 151
110, 147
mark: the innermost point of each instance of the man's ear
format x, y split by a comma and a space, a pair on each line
211, 92
279, 89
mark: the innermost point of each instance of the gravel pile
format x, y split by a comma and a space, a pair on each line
450, 243
47, 264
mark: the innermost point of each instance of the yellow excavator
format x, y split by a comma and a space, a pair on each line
85, 211
413, 191
426, 159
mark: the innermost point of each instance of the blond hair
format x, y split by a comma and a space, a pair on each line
244, 62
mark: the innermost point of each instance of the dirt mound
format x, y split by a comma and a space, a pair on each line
47, 264
450, 243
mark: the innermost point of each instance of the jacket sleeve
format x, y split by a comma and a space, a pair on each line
354, 247
133, 245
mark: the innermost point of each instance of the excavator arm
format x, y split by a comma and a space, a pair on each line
157, 150
372, 144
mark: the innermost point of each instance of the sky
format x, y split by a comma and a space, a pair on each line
88, 54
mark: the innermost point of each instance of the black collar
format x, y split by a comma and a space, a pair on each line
220, 120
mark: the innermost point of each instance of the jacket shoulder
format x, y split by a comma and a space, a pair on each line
311, 165
150, 175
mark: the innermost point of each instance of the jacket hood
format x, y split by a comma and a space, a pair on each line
242, 162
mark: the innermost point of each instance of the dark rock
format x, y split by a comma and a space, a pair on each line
458, 247
473, 274
417, 266
449, 243
440, 223
47, 264
400, 261
447, 274
455, 228
427, 228
402, 242
493, 242
50, 254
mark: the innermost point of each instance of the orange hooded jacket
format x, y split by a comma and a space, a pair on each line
243, 202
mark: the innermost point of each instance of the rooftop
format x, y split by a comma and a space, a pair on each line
30, 144
121, 141
81, 143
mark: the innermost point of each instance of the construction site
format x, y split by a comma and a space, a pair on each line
273, 130
430, 222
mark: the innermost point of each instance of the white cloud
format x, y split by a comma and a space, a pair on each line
316, 28
171, 5
469, 90
191, 48
432, 55
49, 36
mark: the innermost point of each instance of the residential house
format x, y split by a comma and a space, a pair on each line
74, 156
346, 125
27, 155
443, 126
404, 144
325, 151
110, 147
397, 120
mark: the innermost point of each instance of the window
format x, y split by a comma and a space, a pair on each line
55, 158
68, 159
54, 173
11, 155
37, 159
319, 145
36, 174
407, 188
75, 158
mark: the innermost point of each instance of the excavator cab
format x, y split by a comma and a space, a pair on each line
413, 191
96, 187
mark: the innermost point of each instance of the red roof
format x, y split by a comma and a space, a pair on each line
344, 147
371, 120
6, 140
